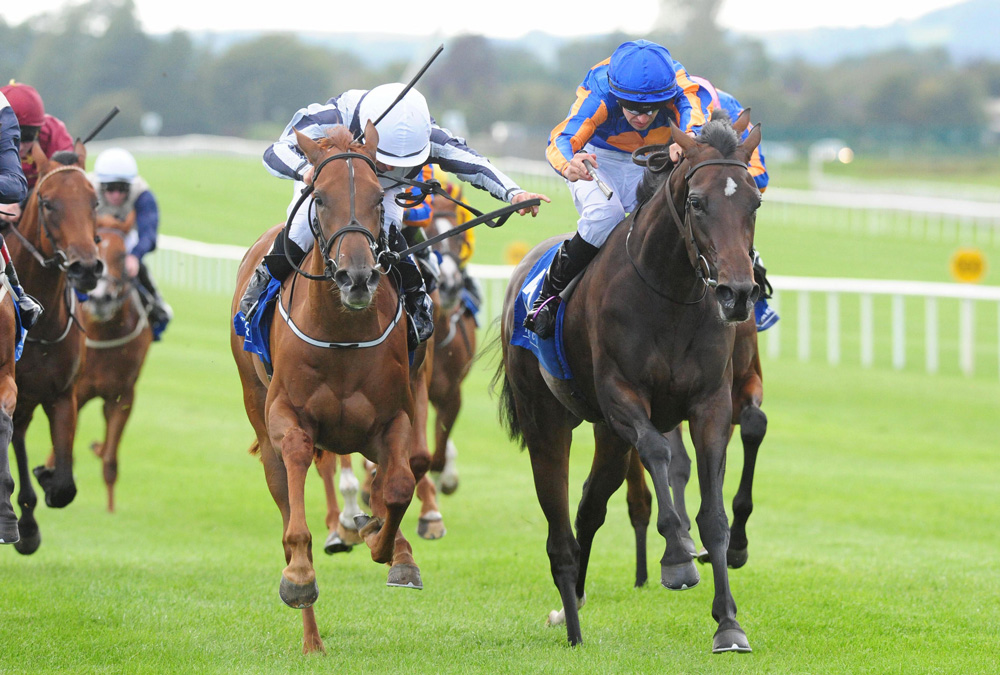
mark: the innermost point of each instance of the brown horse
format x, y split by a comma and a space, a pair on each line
748, 394
55, 252
638, 374
8, 401
118, 339
454, 343
340, 379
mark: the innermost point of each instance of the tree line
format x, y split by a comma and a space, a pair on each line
86, 58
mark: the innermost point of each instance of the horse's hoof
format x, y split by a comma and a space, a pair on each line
9, 533
31, 539
702, 556
679, 577
296, 596
349, 535
688, 544
405, 576
449, 487
334, 544
731, 640
431, 526
363, 520
737, 558
98, 449
55, 497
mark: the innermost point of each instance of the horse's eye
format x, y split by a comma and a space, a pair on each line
696, 203
46, 204
318, 201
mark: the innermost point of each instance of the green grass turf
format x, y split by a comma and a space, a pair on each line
873, 546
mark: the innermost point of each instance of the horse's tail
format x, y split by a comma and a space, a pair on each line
254, 448
508, 408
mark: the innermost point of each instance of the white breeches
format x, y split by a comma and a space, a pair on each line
598, 214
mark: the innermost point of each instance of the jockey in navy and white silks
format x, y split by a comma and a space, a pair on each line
13, 191
624, 103
408, 139
120, 192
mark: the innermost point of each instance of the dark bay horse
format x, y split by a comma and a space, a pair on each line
118, 340
341, 378
649, 336
748, 394
55, 251
8, 400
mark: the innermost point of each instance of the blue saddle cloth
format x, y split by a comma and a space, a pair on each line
19, 330
764, 315
257, 334
550, 353
471, 305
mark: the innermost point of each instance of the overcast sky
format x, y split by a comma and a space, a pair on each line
510, 18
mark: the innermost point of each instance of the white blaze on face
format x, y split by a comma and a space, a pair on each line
730, 187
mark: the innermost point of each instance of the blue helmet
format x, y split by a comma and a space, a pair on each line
642, 71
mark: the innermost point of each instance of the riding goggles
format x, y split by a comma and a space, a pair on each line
637, 108
29, 134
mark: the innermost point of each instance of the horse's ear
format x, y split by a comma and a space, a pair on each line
38, 155
751, 143
308, 146
741, 123
687, 143
81, 153
371, 139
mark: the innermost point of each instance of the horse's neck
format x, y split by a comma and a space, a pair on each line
658, 249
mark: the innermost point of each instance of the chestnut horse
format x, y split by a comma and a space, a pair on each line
340, 380
55, 252
640, 373
118, 339
8, 401
454, 343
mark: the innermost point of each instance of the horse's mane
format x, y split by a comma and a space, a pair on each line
718, 133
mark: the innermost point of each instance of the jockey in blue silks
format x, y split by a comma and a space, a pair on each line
624, 103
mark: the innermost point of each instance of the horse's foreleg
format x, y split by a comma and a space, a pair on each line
392, 491
640, 505
298, 580
678, 475
431, 524
710, 428
8, 519
628, 413
57, 482
116, 414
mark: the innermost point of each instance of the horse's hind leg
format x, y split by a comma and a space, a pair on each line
640, 506
753, 426
116, 414
606, 475
431, 523
443, 461
326, 467
57, 482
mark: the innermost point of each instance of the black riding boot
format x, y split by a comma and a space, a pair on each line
8, 519
571, 258
416, 301
31, 310
274, 265
472, 285
426, 258
160, 313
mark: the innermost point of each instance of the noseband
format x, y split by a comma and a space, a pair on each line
656, 159
354, 225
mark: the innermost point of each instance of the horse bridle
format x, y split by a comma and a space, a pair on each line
59, 258
377, 245
656, 159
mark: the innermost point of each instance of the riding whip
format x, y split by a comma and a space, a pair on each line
597, 179
100, 125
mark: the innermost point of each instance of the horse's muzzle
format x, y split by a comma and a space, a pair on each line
736, 301
357, 286
84, 276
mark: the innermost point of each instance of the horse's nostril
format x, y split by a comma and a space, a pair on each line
725, 295
755, 293
342, 278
